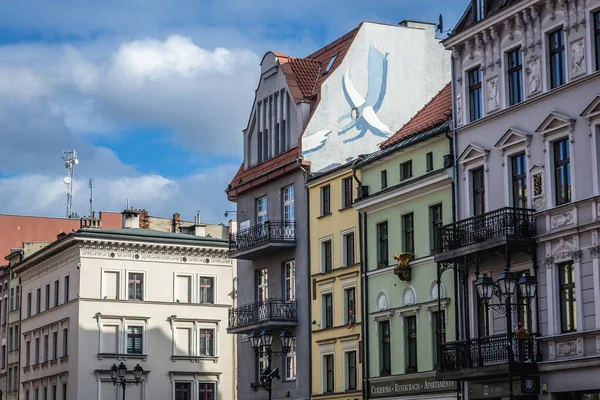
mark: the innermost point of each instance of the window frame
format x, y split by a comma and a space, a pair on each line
212, 341
215, 390
384, 180
347, 197
38, 300
262, 209
348, 375
261, 284
289, 282
177, 391
56, 292
559, 164
411, 332
326, 250
348, 253
385, 348
475, 90
382, 241
408, 232
435, 224
439, 332
142, 336
519, 181
478, 192
66, 284
406, 170
213, 288
559, 53
327, 310
325, 192
571, 306
47, 297
429, 161
288, 203
514, 75
349, 305
328, 384
290, 360
596, 35
144, 284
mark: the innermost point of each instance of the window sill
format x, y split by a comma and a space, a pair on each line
346, 208
64, 359
125, 356
44, 364
324, 215
35, 367
53, 362
26, 369
195, 359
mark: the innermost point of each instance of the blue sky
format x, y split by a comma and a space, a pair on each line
152, 94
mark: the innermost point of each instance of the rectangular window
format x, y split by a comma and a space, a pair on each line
54, 345
408, 225
290, 280
64, 391
326, 255
288, 204
557, 58
429, 161
351, 370
110, 284
439, 333
54, 393
207, 342
183, 341
325, 200
12, 299
3, 362
290, 362
328, 310
347, 192
207, 290
515, 76
349, 258
206, 391
183, 391
27, 353
261, 210
384, 179
10, 370
349, 305
479, 10
47, 302
36, 352
435, 215
134, 340
382, 244
183, 289
478, 192
66, 289
262, 285
259, 147
56, 285
18, 305
474, 79
562, 171
483, 318
406, 170
519, 181
328, 367
38, 300
65, 342
597, 38
29, 304
411, 343
568, 304
36, 394
46, 344
385, 348
135, 286
10, 338
17, 338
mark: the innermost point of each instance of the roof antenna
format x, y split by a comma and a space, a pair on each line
70, 159
440, 25
91, 198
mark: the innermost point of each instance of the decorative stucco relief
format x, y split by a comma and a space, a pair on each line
382, 301
569, 348
434, 291
459, 110
493, 94
409, 297
578, 57
533, 71
508, 28
594, 251
573, 14
561, 220
550, 8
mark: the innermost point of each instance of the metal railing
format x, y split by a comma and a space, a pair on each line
267, 232
509, 221
262, 311
489, 350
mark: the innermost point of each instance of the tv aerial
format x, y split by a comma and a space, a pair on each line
440, 25
71, 160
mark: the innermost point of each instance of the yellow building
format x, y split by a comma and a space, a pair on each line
335, 273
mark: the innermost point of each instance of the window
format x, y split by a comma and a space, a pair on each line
183, 341
36, 394
562, 171
3, 362
66, 289
65, 342
259, 146
111, 284
347, 192
27, 395
10, 371
36, 353
64, 391
408, 224
54, 345
12, 299
382, 244
523, 312
262, 285
47, 303
46, 344
479, 10
474, 77
519, 181
349, 258
134, 340
557, 58
183, 391
597, 38
406, 170
56, 293
288, 204
349, 305
515, 76
483, 318
290, 362
568, 304
478, 191
261, 210
54, 393
350, 370
17, 338
411, 343
45, 393
385, 348
135, 286
325, 200
330, 63
207, 290
384, 179
27, 353
328, 310
206, 391
429, 161
183, 289
18, 305
328, 367
38, 300
435, 215
10, 338
290, 280
326, 255
207, 342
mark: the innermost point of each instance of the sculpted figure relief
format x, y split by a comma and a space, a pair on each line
533, 69
493, 94
578, 57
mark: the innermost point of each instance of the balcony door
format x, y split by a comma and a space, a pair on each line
288, 212
289, 287
262, 293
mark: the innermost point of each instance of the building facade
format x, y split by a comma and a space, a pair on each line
526, 110
406, 196
336, 290
94, 298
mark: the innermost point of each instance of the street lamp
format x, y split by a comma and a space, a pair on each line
261, 343
118, 374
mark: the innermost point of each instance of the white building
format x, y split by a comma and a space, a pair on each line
95, 298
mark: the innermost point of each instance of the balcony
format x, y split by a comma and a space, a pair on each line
487, 356
273, 313
496, 228
258, 240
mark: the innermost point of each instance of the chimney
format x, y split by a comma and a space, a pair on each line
144, 219
176, 223
131, 219
90, 222
198, 217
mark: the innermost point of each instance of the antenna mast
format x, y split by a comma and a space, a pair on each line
91, 198
70, 159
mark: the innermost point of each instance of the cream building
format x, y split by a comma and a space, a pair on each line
95, 298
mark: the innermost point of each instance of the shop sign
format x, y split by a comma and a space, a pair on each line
410, 386
493, 390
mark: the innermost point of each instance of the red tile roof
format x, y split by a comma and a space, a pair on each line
437, 111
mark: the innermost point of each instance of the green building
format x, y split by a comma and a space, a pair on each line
405, 196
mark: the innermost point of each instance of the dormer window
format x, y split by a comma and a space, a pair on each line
479, 10
330, 63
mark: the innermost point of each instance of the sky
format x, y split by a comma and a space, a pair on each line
152, 94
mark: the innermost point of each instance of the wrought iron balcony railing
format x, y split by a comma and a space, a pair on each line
509, 222
261, 234
489, 350
263, 311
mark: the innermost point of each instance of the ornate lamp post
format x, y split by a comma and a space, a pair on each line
261, 343
118, 374
504, 288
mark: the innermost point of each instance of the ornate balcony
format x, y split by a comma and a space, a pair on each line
486, 231
487, 356
256, 241
274, 313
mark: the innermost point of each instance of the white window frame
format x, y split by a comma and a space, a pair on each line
192, 291
102, 286
194, 326
215, 330
509, 149
214, 277
343, 234
322, 254
263, 213
123, 323
324, 371
199, 381
288, 202
473, 301
190, 327
468, 164
291, 355
291, 280
324, 292
346, 322
262, 285
144, 337
145, 289
345, 367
